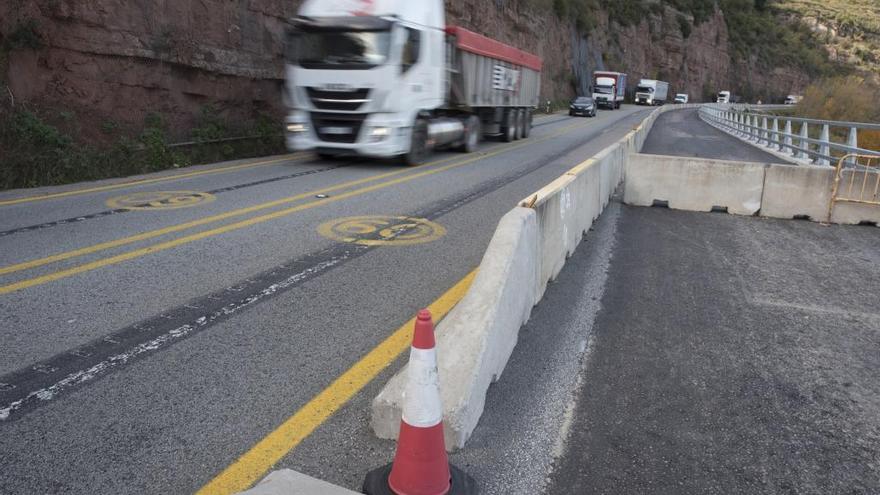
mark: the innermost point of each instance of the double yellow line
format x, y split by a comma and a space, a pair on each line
112, 260
154, 180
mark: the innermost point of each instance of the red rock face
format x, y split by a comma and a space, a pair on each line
117, 60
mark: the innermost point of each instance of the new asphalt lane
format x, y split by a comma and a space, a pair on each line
144, 351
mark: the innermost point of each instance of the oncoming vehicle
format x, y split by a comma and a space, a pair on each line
582, 105
793, 99
389, 78
723, 97
609, 89
681, 98
652, 92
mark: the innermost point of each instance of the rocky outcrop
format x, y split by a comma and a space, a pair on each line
116, 61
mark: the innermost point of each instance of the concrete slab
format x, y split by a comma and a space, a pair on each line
290, 482
694, 184
797, 191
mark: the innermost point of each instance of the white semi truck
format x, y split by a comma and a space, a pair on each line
652, 92
389, 78
609, 89
723, 97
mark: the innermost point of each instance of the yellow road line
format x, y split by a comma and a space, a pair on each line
148, 181
251, 466
112, 260
196, 223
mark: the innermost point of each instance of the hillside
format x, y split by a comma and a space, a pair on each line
850, 29
132, 77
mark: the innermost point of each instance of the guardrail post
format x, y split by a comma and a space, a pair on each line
804, 145
824, 148
740, 124
774, 140
764, 134
786, 140
853, 142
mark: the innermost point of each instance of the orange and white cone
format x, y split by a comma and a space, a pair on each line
421, 466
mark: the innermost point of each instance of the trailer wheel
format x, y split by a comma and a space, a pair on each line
472, 135
527, 126
508, 129
418, 145
521, 123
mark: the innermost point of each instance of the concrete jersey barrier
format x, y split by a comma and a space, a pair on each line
744, 188
528, 249
694, 184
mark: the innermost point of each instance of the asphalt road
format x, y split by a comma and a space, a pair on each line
146, 349
683, 133
730, 355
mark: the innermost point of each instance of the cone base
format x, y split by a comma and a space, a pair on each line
376, 482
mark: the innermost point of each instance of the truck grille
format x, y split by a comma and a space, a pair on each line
338, 100
338, 127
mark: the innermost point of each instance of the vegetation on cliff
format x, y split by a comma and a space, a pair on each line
757, 33
850, 29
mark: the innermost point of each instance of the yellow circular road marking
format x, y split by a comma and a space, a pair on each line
160, 200
382, 230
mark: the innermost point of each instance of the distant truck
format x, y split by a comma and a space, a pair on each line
723, 97
652, 92
390, 78
609, 89
793, 99
682, 98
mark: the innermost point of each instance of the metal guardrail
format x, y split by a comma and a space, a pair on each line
863, 185
775, 132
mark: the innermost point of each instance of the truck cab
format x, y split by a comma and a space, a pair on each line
723, 97
609, 89
651, 92
360, 72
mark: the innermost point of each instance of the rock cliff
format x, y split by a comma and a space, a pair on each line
115, 60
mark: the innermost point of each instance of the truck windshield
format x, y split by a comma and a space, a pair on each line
645, 89
341, 49
603, 90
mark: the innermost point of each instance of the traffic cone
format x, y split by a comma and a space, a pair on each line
421, 466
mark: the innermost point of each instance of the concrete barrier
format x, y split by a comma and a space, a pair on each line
791, 191
528, 249
476, 338
694, 184
744, 188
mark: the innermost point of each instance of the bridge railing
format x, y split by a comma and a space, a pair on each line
809, 141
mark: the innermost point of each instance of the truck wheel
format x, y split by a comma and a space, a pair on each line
472, 135
418, 144
520, 123
527, 127
508, 129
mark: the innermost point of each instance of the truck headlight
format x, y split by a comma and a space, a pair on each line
379, 133
296, 128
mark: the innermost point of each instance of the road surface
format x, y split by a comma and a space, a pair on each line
154, 329
683, 133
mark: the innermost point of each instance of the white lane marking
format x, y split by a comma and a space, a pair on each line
82, 376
